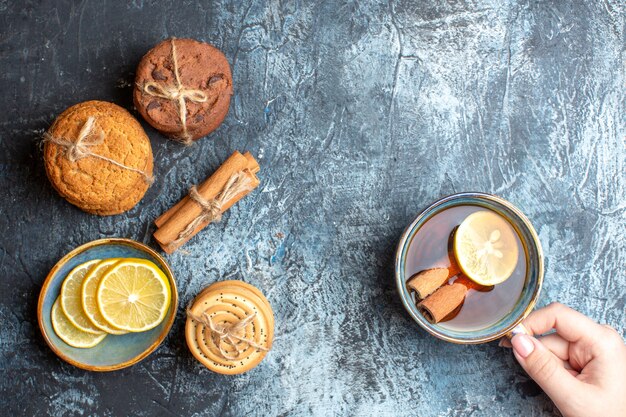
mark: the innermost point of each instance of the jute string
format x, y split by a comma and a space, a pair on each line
238, 183
228, 332
177, 93
87, 137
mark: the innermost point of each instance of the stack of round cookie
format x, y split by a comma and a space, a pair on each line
98, 157
230, 327
183, 88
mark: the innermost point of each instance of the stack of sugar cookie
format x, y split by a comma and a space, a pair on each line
230, 327
98, 157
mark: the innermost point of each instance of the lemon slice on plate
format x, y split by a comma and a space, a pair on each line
69, 333
71, 300
486, 248
88, 296
134, 295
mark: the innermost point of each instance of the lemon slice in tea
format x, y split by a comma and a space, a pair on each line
88, 295
71, 300
134, 295
486, 248
69, 333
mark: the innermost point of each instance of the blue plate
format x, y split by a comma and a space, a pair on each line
114, 352
503, 326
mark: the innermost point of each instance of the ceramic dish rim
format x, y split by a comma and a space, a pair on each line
82, 248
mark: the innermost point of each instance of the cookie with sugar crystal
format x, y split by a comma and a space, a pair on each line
113, 169
198, 71
228, 302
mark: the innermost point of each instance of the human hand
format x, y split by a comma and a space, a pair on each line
581, 366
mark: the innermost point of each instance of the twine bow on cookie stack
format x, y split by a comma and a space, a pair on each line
177, 93
87, 138
79, 148
229, 333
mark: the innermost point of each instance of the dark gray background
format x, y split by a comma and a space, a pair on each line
361, 113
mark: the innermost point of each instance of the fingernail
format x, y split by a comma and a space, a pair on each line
522, 345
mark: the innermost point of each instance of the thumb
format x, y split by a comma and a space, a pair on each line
545, 368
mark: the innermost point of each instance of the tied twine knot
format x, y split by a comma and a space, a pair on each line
229, 333
238, 183
177, 93
80, 148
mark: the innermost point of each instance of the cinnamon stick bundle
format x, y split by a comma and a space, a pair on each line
173, 226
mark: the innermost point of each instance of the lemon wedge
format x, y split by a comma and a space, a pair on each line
88, 296
71, 300
69, 333
134, 295
486, 248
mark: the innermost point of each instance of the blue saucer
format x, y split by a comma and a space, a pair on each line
114, 352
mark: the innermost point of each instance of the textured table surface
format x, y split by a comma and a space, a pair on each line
361, 113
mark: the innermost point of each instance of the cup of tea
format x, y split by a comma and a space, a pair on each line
469, 268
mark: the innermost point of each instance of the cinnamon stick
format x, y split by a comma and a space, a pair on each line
440, 304
171, 223
252, 166
427, 281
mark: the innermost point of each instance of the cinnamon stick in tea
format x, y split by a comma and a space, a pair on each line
171, 224
443, 302
427, 281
